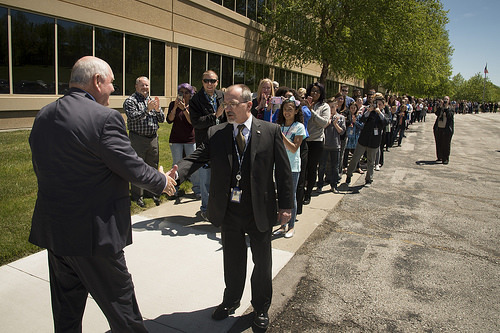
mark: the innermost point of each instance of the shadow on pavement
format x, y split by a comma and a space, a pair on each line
178, 226
427, 162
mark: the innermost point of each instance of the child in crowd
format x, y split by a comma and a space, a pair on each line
291, 119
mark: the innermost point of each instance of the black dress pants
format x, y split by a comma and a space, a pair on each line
443, 143
106, 278
234, 245
315, 151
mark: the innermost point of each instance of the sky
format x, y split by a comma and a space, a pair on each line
474, 33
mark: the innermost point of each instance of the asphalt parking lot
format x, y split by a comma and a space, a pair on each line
418, 251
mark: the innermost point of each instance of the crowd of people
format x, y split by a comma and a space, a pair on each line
341, 135
254, 161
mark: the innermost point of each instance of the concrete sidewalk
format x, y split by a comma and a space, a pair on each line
176, 264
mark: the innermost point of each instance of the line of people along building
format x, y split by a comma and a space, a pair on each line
262, 174
324, 137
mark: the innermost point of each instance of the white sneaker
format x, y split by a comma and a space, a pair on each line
290, 233
377, 167
279, 232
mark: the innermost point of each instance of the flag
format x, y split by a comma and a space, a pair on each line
486, 69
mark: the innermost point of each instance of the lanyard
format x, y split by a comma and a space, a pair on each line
240, 159
288, 130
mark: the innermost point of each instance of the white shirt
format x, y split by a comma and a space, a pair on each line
246, 130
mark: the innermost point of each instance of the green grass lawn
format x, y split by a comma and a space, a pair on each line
18, 191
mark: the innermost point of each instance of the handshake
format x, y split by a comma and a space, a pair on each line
170, 176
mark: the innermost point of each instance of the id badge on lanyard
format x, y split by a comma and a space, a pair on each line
235, 191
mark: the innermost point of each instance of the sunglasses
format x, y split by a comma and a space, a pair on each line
212, 81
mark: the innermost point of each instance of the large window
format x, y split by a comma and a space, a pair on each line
33, 58
34, 54
109, 47
73, 42
253, 9
136, 61
4, 52
198, 67
241, 7
250, 75
232, 70
214, 63
183, 65
229, 4
157, 68
239, 71
227, 72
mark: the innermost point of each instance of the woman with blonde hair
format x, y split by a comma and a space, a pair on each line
261, 105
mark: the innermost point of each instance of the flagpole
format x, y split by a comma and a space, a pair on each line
484, 84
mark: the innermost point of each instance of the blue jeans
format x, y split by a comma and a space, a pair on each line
204, 174
295, 181
177, 150
332, 156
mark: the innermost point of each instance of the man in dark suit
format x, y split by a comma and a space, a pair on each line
206, 111
84, 161
443, 130
243, 154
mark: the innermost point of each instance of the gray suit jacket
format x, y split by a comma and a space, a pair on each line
84, 162
267, 153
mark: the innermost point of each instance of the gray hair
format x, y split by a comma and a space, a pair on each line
85, 68
138, 80
246, 93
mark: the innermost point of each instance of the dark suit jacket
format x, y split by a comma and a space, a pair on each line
84, 161
202, 114
450, 122
266, 151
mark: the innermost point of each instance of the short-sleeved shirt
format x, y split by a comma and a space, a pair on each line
290, 133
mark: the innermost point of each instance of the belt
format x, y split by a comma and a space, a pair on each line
146, 136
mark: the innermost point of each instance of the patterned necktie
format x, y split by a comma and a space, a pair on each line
240, 139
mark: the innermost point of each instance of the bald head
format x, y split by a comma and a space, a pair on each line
84, 70
95, 76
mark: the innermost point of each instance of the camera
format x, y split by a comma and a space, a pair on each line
276, 100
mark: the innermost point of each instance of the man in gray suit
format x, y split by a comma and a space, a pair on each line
83, 161
245, 153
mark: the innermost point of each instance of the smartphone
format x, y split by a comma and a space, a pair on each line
276, 100
180, 97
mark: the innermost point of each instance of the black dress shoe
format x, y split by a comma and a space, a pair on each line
140, 203
156, 200
261, 320
223, 311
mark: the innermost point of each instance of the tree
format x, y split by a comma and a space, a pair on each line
401, 44
472, 89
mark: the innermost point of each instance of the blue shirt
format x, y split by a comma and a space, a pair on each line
290, 133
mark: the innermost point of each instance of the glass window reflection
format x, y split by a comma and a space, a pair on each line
198, 67
227, 72
33, 44
73, 42
4, 53
157, 68
183, 63
136, 61
109, 47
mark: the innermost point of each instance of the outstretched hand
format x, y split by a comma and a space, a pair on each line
284, 216
170, 188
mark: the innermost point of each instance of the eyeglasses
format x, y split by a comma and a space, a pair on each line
345, 90
231, 104
212, 81
314, 92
